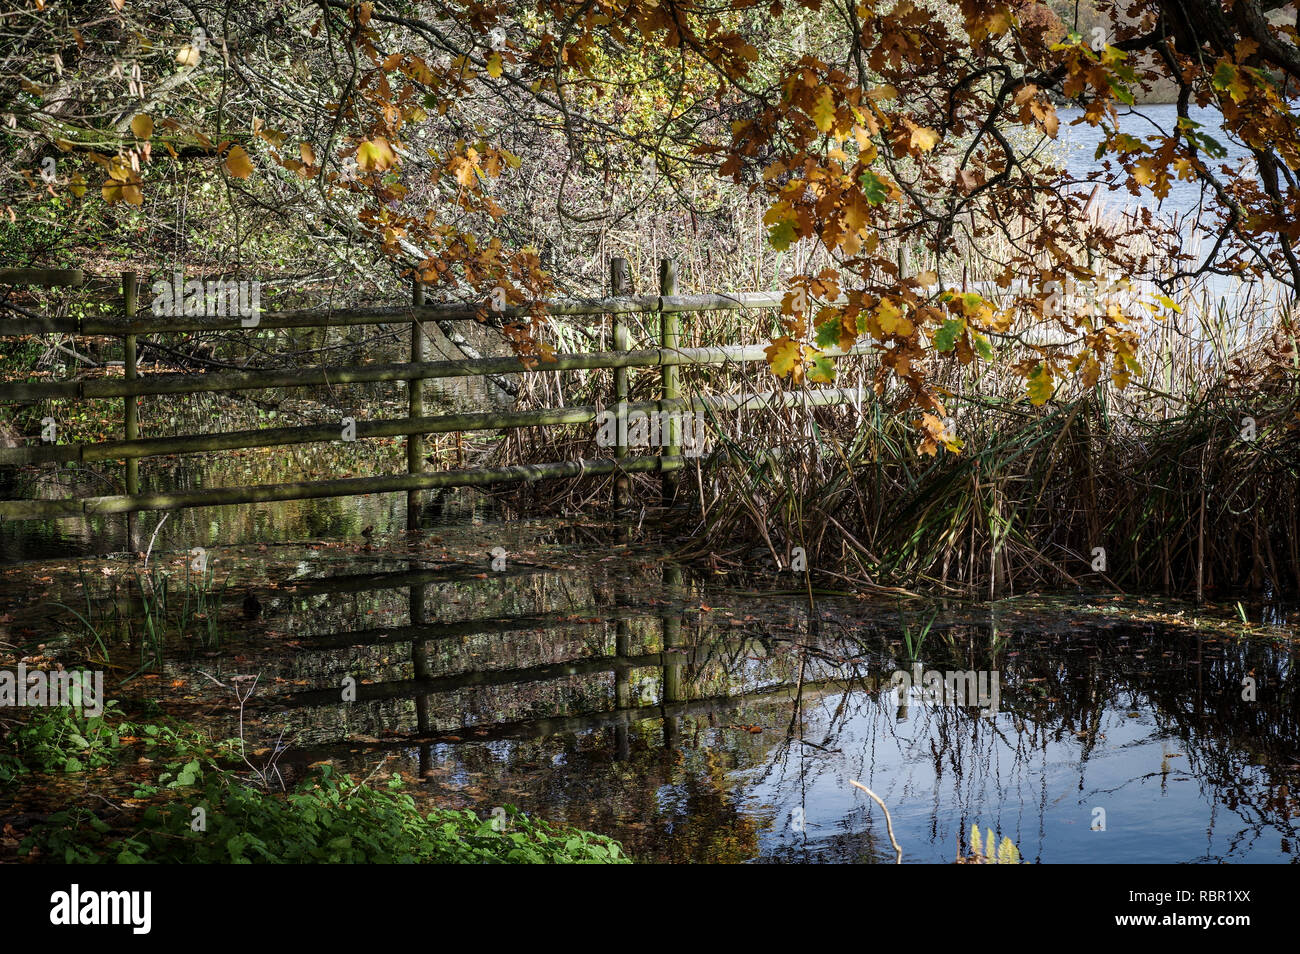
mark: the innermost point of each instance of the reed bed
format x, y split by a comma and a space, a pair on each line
1188, 479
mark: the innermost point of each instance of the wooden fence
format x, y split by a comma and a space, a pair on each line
668, 358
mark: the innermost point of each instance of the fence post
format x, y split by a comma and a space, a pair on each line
672, 639
623, 675
131, 417
415, 394
619, 285
669, 340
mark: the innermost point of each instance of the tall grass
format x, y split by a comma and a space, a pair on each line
1168, 480
148, 611
1160, 475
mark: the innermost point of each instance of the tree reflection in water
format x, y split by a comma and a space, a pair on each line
697, 724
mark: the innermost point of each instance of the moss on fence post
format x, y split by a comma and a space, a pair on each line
669, 340
620, 284
415, 394
131, 418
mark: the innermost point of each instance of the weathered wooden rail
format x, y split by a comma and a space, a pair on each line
668, 357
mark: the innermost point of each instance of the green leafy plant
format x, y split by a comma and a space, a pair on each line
914, 642
202, 811
328, 818
62, 740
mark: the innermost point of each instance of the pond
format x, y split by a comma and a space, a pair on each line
584, 676
1190, 207
1188, 200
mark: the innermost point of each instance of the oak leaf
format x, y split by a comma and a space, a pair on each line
375, 155
238, 164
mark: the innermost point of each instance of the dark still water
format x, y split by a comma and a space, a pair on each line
593, 683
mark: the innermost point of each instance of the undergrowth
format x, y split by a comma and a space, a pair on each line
199, 810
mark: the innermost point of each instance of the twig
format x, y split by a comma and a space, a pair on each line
108, 803
154, 537
889, 824
373, 772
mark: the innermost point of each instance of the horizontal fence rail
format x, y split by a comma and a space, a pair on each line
667, 357
338, 487
403, 427
346, 317
25, 392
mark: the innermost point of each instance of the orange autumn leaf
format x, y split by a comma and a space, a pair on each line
237, 163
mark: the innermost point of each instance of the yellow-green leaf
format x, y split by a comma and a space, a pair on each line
1040, 384
375, 155
782, 235
785, 356
823, 112
821, 371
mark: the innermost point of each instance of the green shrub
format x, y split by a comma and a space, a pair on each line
201, 811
